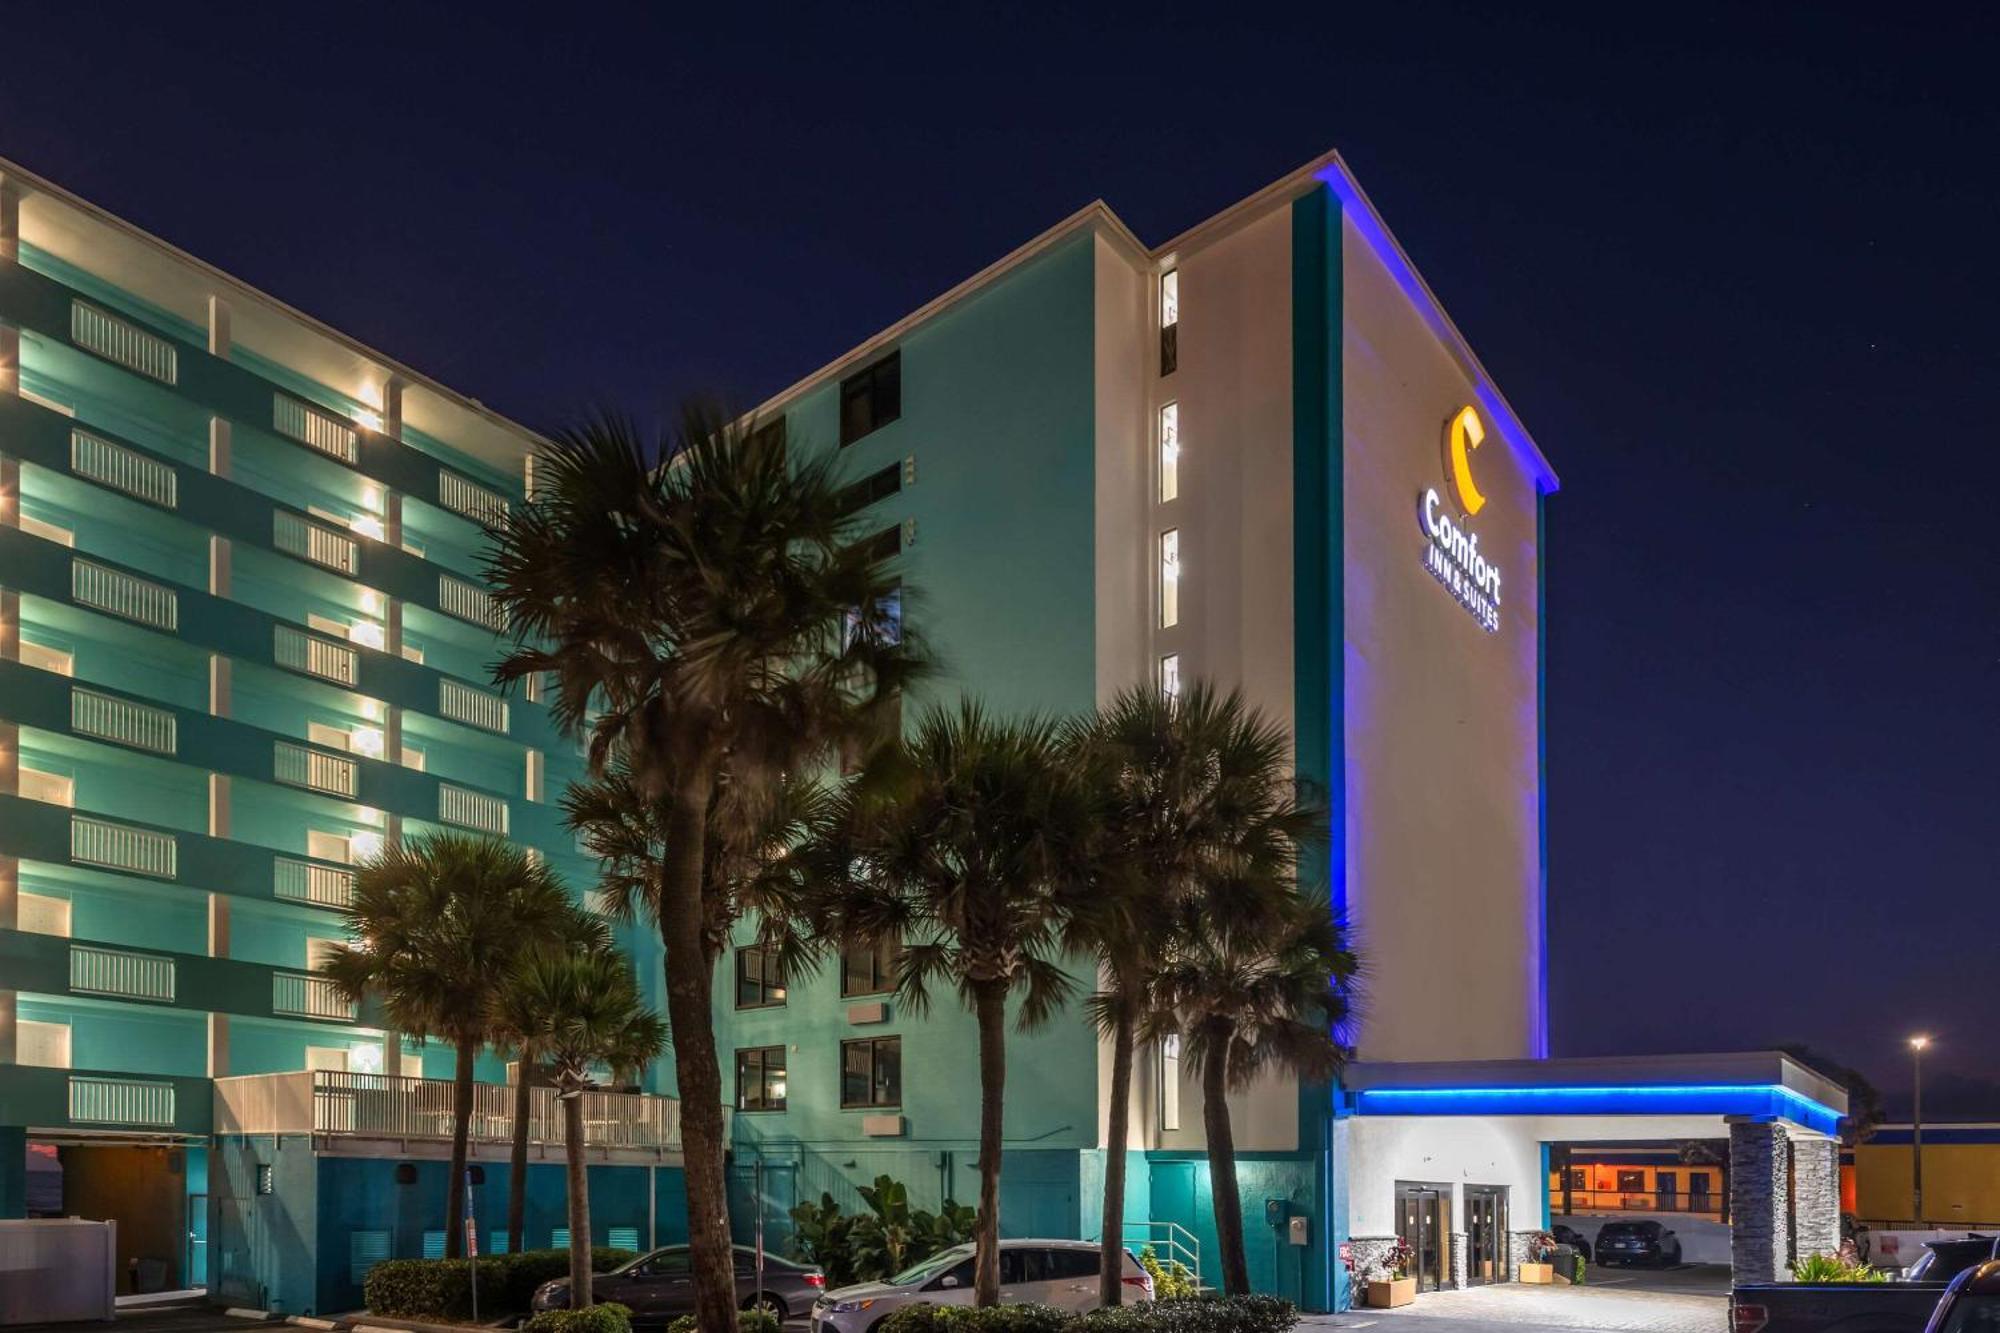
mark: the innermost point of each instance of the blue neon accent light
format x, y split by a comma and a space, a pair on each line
1744, 1099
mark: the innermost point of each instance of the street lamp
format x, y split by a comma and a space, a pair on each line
1917, 1045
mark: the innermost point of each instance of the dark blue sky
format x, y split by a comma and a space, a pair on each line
1734, 266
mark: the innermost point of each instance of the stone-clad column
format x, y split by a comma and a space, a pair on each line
1815, 1195
1759, 1201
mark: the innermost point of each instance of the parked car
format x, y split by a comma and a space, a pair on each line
1062, 1273
1637, 1242
659, 1287
1902, 1306
1971, 1304
1571, 1237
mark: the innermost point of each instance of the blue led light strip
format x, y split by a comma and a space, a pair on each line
1609, 1099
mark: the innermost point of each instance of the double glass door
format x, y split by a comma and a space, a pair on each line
1485, 1234
1423, 1222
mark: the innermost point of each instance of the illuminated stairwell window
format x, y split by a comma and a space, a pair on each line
1170, 320
1170, 578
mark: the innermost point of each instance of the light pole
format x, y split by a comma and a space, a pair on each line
1917, 1045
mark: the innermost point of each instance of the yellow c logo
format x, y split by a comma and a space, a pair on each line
1465, 433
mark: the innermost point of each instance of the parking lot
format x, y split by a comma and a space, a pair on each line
1690, 1298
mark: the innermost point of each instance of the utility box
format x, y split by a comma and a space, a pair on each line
1298, 1231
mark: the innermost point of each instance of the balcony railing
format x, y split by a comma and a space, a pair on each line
296, 650
315, 542
124, 343
315, 429
468, 602
1671, 1200
298, 766
297, 995
120, 1101
470, 499
475, 708
99, 842
120, 973
122, 469
306, 882
121, 594
471, 809
110, 718
385, 1106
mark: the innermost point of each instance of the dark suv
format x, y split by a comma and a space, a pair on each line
1637, 1242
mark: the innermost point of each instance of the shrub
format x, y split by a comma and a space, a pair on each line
442, 1288
609, 1317
1172, 1281
758, 1320
1222, 1314
1204, 1314
975, 1319
1833, 1268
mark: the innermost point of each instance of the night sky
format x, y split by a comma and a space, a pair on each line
1735, 267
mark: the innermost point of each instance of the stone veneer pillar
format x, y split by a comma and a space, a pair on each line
1759, 1201
1815, 1195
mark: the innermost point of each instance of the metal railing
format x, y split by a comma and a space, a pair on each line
476, 502
314, 541
122, 342
298, 995
110, 718
99, 842
1172, 1244
1648, 1201
476, 708
315, 429
471, 809
296, 650
119, 972
122, 469
120, 1101
121, 594
468, 602
298, 766
307, 882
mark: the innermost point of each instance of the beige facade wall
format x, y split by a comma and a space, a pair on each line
1443, 789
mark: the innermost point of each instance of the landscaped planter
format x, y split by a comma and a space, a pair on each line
1537, 1274
1396, 1291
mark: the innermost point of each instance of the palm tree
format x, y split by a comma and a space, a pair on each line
583, 933
1191, 790
965, 842
579, 1010
1246, 1001
711, 621
435, 923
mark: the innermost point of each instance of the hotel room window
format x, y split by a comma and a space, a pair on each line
1170, 578
1170, 676
1170, 452
1170, 320
760, 978
1170, 1082
871, 1072
871, 398
760, 1078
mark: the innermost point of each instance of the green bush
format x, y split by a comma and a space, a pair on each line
1172, 1281
758, 1320
442, 1288
1221, 1314
976, 1319
1833, 1268
610, 1317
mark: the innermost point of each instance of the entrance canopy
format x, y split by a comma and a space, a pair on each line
1706, 1089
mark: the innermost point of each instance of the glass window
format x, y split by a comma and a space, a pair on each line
1170, 578
760, 978
1067, 1264
870, 969
760, 1079
871, 398
770, 435
875, 486
1170, 1081
1018, 1266
1170, 452
1170, 675
871, 1072
1973, 1314
1170, 320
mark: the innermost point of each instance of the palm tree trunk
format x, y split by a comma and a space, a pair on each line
579, 1205
690, 1017
461, 1129
1222, 1169
1111, 1260
517, 1194
989, 1000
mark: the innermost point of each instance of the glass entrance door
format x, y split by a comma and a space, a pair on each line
1423, 1222
1485, 1234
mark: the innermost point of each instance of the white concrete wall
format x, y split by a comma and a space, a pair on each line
1440, 1150
1442, 769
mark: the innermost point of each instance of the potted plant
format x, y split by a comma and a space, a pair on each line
1392, 1283
1539, 1268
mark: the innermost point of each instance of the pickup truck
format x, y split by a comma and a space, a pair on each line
1971, 1304
1903, 1306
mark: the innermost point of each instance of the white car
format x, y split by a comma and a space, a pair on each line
1062, 1273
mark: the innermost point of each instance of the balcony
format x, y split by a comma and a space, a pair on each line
315, 429
121, 1101
316, 885
316, 542
298, 995
315, 770
296, 650
471, 500
120, 594
99, 842
123, 343
469, 602
99, 460
107, 717
120, 974
388, 1107
475, 708
471, 809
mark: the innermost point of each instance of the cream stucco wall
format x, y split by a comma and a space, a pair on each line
1439, 1150
1443, 857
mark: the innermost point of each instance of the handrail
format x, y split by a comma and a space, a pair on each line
1171, 1242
